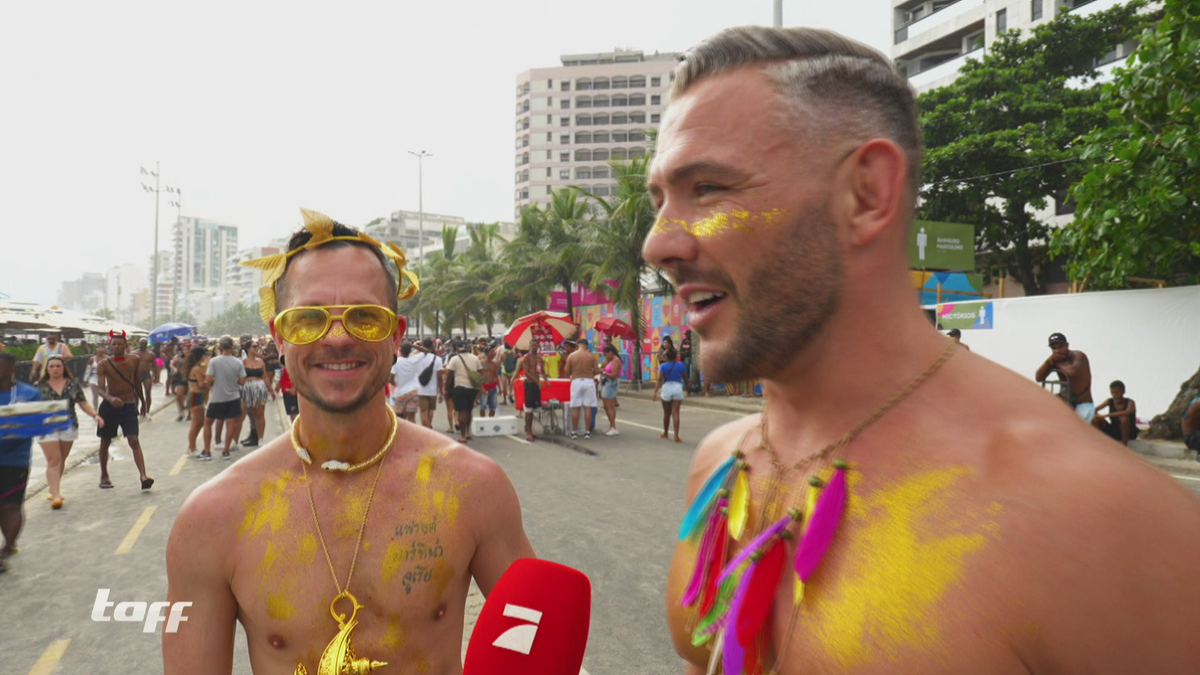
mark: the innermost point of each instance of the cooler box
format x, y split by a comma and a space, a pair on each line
495, 426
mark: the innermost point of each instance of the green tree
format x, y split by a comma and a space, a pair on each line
614, 243
236, 320
1009, 125
1138, 212
105, 313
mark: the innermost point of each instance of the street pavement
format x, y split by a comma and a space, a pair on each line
608, 506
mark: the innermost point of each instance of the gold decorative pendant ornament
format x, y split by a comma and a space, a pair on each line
338, 657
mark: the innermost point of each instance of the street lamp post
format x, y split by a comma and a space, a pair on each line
779, 13
154, 279
421, 216
177, 202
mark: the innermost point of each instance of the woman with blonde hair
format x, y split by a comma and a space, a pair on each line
57, 384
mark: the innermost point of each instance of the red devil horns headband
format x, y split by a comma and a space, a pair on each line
115, 334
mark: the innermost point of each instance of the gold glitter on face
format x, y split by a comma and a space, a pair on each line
718, 223
907, 546
337, 331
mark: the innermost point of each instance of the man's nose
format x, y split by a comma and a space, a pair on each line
669, 241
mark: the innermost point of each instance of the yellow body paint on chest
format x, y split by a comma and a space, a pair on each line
905, 546
722, 222
271, 508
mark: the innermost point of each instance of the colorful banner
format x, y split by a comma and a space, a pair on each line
967, 316
580, 297
662, 316
941, 287
543, 337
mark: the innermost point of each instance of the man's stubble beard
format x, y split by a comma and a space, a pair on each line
373, 387
786, 302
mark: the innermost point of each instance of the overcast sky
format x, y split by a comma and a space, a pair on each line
255, 109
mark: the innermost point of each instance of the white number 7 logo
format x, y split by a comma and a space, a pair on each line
519, 638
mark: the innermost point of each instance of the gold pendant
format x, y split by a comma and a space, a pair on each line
338, 658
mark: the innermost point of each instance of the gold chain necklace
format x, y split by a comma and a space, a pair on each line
779, 470
335, 465
339, 656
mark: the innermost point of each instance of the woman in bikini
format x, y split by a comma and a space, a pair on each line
57, 384
254, 396
196, 366
610, 374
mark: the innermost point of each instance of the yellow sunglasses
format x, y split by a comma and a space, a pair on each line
306, 325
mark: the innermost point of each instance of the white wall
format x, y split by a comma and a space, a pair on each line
1149, 339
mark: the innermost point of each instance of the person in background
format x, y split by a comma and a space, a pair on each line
225, 375
1191, 426
491, 383
1073, 365
254, 396
1120, 422
145, 358
15, 457
89, 375
610, 374
158, 363
406, 371
956, 335
685, 356
508, 368
290, 403
57, 384
193, 369
464, 364
177, 383
670, 384
53, 347
270, 356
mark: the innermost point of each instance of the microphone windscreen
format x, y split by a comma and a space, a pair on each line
534, 622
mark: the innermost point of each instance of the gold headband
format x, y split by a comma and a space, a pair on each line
321, 228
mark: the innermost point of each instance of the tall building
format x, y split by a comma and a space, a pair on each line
934, 38
124, 284
85, 294
165, 288
241, 282
574, 118
404, 228
203, 249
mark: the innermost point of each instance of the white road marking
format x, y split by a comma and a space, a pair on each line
518, 440
621, 423
1186, 477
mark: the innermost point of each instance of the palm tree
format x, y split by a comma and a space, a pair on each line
615, 242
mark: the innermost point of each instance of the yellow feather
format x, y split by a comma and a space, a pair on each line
266, 306
810, 504
739, 505
798, 590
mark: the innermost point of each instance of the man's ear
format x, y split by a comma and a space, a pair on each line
876, 182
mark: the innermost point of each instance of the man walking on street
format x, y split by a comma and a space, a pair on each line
431, 515
533, 369
15, 458
225, 374
145, 359
467, 379
898, 497
429, 381
121, 391
582, 368
1072, 365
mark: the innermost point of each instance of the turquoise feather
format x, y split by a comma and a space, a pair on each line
697, 512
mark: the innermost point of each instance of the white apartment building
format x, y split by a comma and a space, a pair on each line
405, 227
573, 119
202, 252
934, 38
241, 282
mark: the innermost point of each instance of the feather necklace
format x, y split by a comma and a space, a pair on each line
733, 596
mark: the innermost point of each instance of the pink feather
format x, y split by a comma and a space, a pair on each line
707, 544
821, 526
735, 652
754, 545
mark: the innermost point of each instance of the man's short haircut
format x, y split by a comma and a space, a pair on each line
406, 349
7, 357
302, 236
584, 343
427, 343
954, 332
226, 342
1117, 384
839, 87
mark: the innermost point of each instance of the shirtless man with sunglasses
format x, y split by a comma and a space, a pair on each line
245, 546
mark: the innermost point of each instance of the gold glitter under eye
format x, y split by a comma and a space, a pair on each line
719, 223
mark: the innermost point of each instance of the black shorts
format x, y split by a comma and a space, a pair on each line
124, 418
533, 395
291, 404
13, 480
464, 398
225, 410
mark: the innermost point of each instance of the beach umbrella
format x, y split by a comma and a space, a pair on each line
614, 327
170, 330
542, 326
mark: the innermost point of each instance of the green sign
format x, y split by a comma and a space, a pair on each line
941, 246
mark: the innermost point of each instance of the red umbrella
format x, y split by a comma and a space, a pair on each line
614, 327
541, 326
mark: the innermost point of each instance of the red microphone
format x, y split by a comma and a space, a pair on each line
535, 622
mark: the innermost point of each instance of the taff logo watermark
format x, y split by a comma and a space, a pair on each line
134, 612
